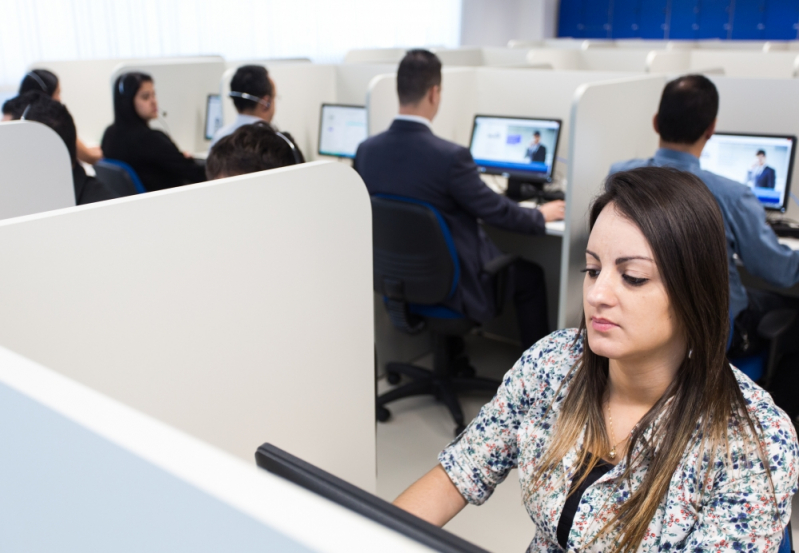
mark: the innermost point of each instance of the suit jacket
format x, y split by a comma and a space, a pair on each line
409, 160
766, 178
539, 155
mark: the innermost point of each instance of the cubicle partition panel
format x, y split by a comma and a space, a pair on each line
86, 93
504, 57
239, 310
611, 121
563, 59
463, 57
27, 184
631, 60
352, 80
669, 61
760, 106
182, 86
100, 476
234, 64
742, 63
375, 55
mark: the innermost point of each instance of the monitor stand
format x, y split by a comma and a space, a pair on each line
524, 189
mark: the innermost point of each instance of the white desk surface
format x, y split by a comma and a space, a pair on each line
792, 243
556, 228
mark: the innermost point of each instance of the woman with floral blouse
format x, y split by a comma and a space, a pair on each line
633, 432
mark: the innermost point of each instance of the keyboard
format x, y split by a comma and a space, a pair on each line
784, 228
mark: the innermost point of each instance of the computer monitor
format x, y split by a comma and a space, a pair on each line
285, 465
763, 162
521, 148
341, 129
213, 115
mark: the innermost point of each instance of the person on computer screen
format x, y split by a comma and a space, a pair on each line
633, 432
253, 93
536, 151
761, 175
409, 160
685, 121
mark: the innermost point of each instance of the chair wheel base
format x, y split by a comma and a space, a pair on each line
394, 378
383, 414
458, 429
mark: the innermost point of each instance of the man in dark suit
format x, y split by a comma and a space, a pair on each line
536, 151
761, 174
409, 160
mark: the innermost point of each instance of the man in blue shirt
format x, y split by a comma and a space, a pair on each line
685, 121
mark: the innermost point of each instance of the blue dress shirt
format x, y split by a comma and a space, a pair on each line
745, 226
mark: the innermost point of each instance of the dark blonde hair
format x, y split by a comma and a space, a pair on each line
682, 223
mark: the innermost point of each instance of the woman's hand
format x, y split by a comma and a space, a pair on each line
433, 498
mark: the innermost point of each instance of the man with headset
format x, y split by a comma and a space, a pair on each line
254, 147
253, 94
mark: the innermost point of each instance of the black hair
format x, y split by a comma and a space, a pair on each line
418, 72
16, 105
253, 80
688, 107
125, 88
255, 147
43, 109
761, 153
39, 80
536, 133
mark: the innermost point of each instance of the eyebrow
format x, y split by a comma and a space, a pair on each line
621, 260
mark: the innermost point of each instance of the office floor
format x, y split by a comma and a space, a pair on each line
409, 443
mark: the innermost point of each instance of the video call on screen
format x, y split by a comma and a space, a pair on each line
760, 162
515, 144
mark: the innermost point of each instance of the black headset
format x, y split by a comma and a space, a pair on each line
37, 78
266, 103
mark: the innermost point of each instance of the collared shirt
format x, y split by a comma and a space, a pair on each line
734, 512
415, 119
745, 227
240, 121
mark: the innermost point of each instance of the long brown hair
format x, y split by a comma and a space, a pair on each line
682, 223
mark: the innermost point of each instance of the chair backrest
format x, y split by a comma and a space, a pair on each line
787, 541
415, 260
119, 177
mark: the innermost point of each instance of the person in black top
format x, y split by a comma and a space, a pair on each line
42, 109
155, 158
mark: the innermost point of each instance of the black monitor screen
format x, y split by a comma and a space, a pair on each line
312, 478
762, 162
517, 147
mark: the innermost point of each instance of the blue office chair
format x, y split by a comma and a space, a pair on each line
760, 366
787, 541
119, 177
416, 269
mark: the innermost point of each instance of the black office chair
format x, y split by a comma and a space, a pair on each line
416, 269
119, 177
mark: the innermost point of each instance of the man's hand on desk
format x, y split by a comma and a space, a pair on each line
553, 211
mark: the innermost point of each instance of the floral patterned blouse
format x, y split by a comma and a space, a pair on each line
733, 514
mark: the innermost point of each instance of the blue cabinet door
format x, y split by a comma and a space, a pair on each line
714, 19
748, 20
596, 18
683, 20
569, 18
626, 18
653, 19
781, 20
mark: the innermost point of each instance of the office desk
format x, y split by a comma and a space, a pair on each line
792, 243
755, 282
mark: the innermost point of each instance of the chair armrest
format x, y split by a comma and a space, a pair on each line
499, 264
775, 323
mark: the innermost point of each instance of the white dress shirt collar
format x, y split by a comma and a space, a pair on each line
415, 119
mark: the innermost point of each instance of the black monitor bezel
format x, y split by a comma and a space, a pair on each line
312, 478
786, 200
207, 104
321, 126
520, 175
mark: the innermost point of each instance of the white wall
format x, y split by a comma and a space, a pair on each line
239, 311
493, 23
35, 170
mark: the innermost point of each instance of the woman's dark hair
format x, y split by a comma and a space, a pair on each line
682, 223
125, 88
255, 147
688, 107
39, 80
253, 80
418, 72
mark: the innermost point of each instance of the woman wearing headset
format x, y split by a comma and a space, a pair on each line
46, 82
156, 159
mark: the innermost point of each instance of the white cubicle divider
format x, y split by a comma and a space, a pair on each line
599, 137
182, 86
375, 55
239, 311
628, 60
26, 184
574, 97
263, 61
100, 476
742, 63
674, 60
758, 106
302, 89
